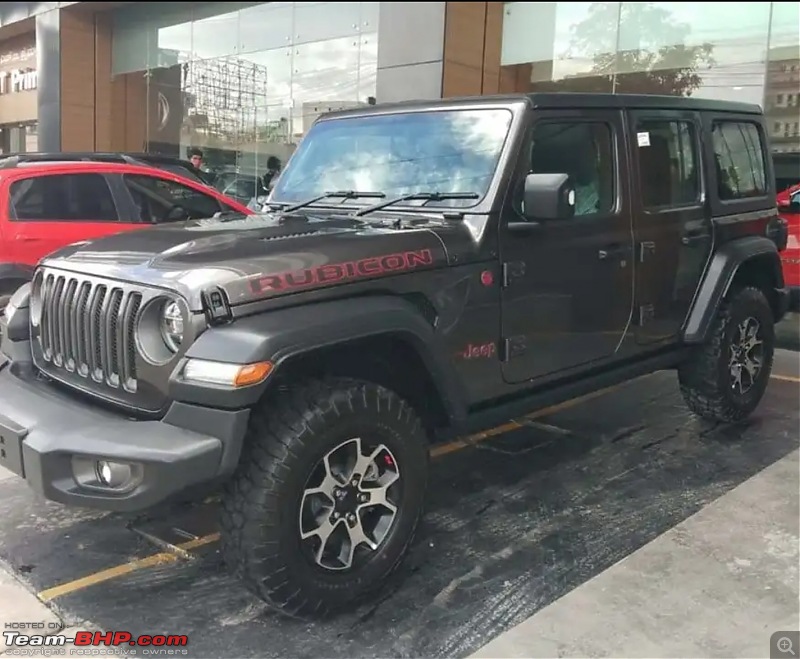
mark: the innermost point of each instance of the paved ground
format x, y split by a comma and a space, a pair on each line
516, 522
788, 332
717, 585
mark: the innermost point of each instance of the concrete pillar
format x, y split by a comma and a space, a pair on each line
410, 51
48, 64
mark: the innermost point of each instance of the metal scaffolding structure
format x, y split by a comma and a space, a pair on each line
222, 97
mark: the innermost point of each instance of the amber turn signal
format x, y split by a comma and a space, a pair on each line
252, 374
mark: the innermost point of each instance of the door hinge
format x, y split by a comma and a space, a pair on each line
511, 271
646, 313
513, 346
646, 248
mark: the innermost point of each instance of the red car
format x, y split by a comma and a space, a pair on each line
789, 210
48, 202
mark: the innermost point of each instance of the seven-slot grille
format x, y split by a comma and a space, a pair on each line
87, 328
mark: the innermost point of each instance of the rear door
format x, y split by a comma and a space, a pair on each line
47, 211
672, 218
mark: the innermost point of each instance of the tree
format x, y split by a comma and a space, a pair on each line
662, 63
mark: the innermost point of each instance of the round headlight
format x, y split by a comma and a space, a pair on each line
172, 326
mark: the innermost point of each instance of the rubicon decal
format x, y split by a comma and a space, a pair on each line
333, 273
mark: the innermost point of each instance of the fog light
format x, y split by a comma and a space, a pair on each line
113, 474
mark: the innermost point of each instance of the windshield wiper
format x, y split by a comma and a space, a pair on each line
427, 196
344, 194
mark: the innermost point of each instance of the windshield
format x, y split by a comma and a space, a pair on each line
442, 151
180, 171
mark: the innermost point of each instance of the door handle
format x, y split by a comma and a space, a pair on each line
612, 252
693, 236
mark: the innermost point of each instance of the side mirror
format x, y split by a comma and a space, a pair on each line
548, 197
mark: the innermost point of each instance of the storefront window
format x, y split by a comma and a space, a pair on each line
651, 47
676, 48
241, 81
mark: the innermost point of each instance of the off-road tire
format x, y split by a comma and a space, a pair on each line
287, 436
704, 377
4, 299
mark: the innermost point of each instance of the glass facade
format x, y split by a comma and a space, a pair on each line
746, 52
241, 81
18, 138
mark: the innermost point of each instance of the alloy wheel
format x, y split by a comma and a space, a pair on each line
348, 507
746, 355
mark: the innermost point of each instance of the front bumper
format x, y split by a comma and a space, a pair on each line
53, 440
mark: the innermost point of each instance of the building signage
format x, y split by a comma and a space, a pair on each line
18, 80
18, 70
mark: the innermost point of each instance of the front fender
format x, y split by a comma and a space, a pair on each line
13, 275
279, 335
718, 278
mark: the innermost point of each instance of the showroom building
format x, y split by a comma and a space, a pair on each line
244, 80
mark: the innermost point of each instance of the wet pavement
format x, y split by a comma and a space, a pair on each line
513, 523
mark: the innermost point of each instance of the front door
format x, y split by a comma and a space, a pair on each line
568, 284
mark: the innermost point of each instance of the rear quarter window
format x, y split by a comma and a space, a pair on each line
740, 160
81, 197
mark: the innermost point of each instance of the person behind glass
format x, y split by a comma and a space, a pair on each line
196, 158
273, 169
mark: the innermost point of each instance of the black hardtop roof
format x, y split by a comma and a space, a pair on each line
559, 100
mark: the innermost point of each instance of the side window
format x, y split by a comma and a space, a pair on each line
62, 198
584, 151
739, 159
669, 175
160, 200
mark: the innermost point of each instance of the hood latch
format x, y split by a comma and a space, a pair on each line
216, 306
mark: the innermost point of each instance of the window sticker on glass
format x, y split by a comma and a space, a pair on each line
643, 138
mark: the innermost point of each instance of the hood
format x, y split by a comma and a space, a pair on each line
265, 256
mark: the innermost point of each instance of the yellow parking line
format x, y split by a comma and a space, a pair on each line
126, 568
786, 378
458, 444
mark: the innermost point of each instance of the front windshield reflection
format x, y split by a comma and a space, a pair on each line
441, 151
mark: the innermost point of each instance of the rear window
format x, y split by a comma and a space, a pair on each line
740, 160
62, 198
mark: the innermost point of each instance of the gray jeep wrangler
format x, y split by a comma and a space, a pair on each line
422, 269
